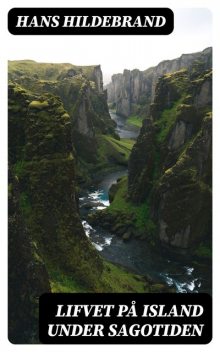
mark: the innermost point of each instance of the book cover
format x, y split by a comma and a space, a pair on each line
109, 173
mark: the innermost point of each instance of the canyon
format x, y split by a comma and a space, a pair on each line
133, 91
97, 204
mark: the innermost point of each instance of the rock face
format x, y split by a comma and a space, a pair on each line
80, 89
141, 163
170, 165
97, 77
58, 121
43, 161
45, 231
133, 91
28, 277
81, 92
184, 200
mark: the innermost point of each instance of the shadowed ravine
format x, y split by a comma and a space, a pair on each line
183, 274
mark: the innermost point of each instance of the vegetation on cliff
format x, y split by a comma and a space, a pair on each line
27, 274
59, 131
60, 137
97, 147
135, 120
169, 178
132, 92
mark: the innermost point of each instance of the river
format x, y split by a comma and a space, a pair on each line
124, 130
182, 273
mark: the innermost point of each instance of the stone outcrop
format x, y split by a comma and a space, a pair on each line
79, 87
97, 78
141, 163
170, 164
43, 160
45, 230
133, 91
81, 91
28, 277
184, 201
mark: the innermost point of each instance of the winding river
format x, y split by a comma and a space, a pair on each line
184, 274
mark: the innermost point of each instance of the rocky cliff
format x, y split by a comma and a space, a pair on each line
81, 92
59, 132
28, 277
133, 91
45, 231
80, 89
42, 157
170, 165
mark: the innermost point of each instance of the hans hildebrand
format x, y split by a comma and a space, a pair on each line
90, 21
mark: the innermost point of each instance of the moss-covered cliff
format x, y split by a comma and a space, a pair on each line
132, 92
60, 136
47, 174
81, 92
60, 132
27, 274
169, 179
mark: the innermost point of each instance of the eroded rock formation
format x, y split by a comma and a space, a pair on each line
133, 91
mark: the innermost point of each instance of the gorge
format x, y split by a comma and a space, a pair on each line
96, 203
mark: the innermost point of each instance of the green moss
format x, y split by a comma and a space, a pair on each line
62, 282
123, 146
112, 151
45, 71
203, 252
14, 108
141, 213
117, 279
135, 121
166, 121
10, 189
113, 279
39, 105
208, 116
178, 79
19, 168
25, 204
65, 116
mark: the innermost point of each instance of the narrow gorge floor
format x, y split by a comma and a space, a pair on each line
184, 274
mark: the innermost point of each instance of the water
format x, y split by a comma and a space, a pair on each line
96, 198
123, 129
183, 274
